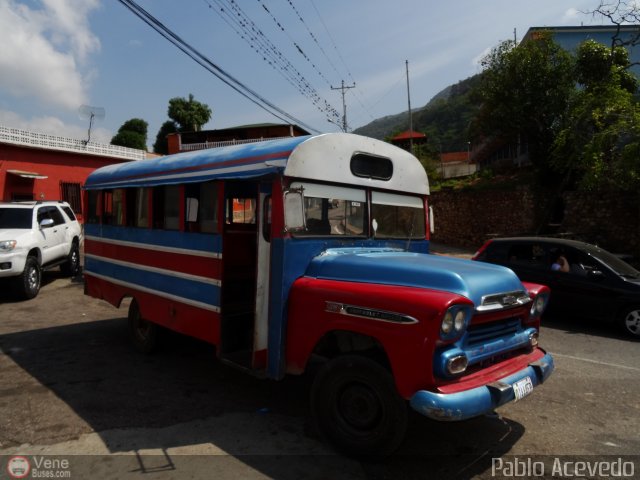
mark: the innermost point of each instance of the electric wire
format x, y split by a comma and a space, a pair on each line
296, 44
358, 95
231, 12
210, 66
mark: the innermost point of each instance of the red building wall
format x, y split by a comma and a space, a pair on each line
58, 166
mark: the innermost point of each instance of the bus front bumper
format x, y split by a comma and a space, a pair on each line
484, 399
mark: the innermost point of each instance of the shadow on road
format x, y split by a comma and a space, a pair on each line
585, 326
115, 390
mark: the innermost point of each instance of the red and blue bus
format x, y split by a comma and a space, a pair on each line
281, 251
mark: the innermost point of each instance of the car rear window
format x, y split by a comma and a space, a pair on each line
15, 217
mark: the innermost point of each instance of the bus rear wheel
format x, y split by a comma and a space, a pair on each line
357, 408
143, 333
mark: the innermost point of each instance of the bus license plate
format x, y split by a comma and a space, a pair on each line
522, 388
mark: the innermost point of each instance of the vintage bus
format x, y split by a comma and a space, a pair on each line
316, 247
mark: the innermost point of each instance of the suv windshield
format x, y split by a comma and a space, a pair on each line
15, 217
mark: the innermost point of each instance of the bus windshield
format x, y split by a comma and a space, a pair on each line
342, 211
333, 211
397, 216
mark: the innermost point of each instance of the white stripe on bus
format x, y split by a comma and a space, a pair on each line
187, 301
154, 247
163, 271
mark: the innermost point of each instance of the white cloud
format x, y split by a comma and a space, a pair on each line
54, 126
42, 51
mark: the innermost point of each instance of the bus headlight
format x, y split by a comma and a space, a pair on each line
454, 321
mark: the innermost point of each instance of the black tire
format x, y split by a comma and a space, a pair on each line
27, 285
357, 408
143, 333
72, 265
630, 321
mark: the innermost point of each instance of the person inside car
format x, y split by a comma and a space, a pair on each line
561, 264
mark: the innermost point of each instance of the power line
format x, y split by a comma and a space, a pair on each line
313, 37
207, 64
358, 95
231, 12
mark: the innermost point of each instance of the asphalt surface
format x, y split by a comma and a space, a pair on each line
72, 386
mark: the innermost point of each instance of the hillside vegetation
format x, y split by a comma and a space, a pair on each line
445, 119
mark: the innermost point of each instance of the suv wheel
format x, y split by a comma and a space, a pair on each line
72, 265
28, 283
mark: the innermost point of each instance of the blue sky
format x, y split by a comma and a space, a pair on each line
57, 55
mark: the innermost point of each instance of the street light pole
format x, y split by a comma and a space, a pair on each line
410, 115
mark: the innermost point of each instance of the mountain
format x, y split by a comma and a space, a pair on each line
445, 119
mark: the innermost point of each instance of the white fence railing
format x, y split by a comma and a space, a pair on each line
22, 137
457, 169
187, 147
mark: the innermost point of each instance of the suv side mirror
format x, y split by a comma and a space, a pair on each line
46, 223
294, 215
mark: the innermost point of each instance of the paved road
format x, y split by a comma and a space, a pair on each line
71, 385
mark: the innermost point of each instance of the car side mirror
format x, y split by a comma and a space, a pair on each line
46, 223
595, 274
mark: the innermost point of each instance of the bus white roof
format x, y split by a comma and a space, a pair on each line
324, 157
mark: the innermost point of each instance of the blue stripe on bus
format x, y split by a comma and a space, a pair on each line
180, 287
147, 238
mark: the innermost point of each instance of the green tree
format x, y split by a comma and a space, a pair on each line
161, 145
189, 114
598, 144
132, 134
524, 92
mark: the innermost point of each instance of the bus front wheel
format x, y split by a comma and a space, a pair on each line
143, 333
357, 408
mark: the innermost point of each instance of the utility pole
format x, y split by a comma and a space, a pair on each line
344, 89
410, 115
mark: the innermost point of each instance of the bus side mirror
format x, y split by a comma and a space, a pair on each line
294, 217
432, 223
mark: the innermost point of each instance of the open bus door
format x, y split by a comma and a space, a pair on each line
245, 274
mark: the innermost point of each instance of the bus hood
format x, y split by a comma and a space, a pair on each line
473, 280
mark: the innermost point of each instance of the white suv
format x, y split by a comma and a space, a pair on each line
37, 236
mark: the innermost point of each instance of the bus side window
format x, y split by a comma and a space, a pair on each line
201, 207
172, 207
137, 207
93, 215
208, 208
142, 208
191, 207
241, 210
107, 208
158, 207
118, 206
266, 218
166, 207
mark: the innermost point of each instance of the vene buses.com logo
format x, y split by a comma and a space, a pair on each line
18, 467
